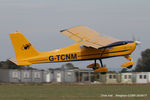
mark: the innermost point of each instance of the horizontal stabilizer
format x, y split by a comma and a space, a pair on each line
20, 63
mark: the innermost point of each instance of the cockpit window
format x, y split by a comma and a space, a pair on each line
118, 44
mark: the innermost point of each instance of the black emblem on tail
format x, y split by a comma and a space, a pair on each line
27, 46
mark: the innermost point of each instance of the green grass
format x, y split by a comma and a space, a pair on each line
71, 92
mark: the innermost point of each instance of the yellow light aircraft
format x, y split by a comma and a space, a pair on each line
90, 46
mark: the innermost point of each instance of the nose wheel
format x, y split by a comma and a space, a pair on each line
129, 64
130, 67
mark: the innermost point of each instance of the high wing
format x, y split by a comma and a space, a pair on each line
89, 37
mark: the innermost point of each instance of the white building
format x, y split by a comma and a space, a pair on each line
48, 76
127, 77
143, 77
112, 78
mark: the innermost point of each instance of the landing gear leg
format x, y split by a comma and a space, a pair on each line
101, 62
95, 67
102, 67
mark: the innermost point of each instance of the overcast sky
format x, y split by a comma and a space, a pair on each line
41, 21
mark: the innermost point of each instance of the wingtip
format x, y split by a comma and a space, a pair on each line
63, 30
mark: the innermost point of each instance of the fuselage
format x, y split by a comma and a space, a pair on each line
77, 52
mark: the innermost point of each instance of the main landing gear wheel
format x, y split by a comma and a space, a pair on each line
103, 73
102, 70
96, 67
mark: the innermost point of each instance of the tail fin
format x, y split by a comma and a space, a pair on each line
23, 48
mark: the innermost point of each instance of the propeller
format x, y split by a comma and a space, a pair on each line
136, 40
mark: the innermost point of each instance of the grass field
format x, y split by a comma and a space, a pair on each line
73, 92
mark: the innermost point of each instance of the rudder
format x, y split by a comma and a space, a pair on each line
23, 48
